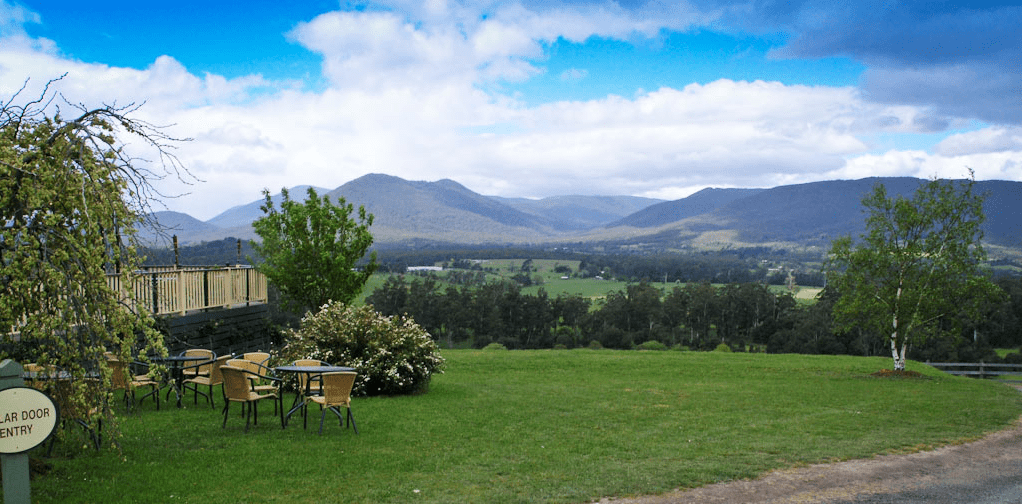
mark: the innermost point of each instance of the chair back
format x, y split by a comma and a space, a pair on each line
236, 384
304, 378
247, 365
119, 374
258, 357
199, 352
337, 387
204, 367
216, 376
310, 362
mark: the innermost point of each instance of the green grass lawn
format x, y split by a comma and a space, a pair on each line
544, 426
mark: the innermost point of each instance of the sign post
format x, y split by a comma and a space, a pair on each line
27, 418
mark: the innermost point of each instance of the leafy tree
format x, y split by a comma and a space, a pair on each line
70, 199
916, 272
311, 250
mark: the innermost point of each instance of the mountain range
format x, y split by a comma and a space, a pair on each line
799, 217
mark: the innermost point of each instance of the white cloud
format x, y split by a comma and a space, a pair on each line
408, 95
987, 140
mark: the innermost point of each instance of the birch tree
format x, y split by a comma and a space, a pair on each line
916, 272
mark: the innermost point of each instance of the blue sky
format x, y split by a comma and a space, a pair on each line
540, 98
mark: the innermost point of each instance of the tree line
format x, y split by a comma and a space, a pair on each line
698, 316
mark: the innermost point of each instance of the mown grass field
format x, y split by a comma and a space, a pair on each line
554, 284
544, 426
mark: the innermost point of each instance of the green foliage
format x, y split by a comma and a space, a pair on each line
391, 355
595, 345
651, 345
722, 348
70, 198
311, 250
494, 346
916, 272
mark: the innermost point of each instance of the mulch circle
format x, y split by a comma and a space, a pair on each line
891, 373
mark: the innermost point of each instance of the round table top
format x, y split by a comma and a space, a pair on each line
313, 369
179, 358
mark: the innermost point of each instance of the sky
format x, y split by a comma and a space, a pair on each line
537, 98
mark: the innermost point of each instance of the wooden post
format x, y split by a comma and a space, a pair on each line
15, 465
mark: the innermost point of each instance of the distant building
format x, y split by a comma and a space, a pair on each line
425, 268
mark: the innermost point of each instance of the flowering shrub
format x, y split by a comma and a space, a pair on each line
391, 355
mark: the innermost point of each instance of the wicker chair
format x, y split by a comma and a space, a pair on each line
309, 385
238, 388
214, 378
258, 374
202, 368
121, 380
336, 394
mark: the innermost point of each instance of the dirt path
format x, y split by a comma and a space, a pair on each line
991, 466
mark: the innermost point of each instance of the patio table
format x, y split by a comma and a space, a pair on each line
176, 365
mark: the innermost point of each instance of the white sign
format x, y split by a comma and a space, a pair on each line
27, 418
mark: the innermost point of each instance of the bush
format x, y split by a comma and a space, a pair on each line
494, 346
651, 345
392, 355
594, 345
722, 348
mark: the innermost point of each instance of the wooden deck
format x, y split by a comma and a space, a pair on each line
169, 290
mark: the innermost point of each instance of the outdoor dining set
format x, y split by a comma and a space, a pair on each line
247, 379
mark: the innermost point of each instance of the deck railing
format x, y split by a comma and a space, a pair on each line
169, 290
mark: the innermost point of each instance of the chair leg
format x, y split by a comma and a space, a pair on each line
321, 417
227, 406
351, 418
281, 399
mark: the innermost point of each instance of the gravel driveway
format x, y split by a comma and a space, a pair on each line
986, 471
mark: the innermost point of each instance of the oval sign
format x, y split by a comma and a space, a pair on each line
27, 418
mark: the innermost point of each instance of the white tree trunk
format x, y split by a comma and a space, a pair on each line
899, 356
899, 360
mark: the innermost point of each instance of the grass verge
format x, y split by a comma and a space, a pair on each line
544, 426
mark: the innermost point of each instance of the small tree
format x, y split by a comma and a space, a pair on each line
311, 250
70, 197
916, 272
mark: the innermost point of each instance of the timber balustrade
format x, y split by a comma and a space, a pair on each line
1002, 372
169, 290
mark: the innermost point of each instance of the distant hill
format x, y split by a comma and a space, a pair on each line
700, 203
444, 210
801, 215
416, 213
576, 213
244, 215
171, 224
